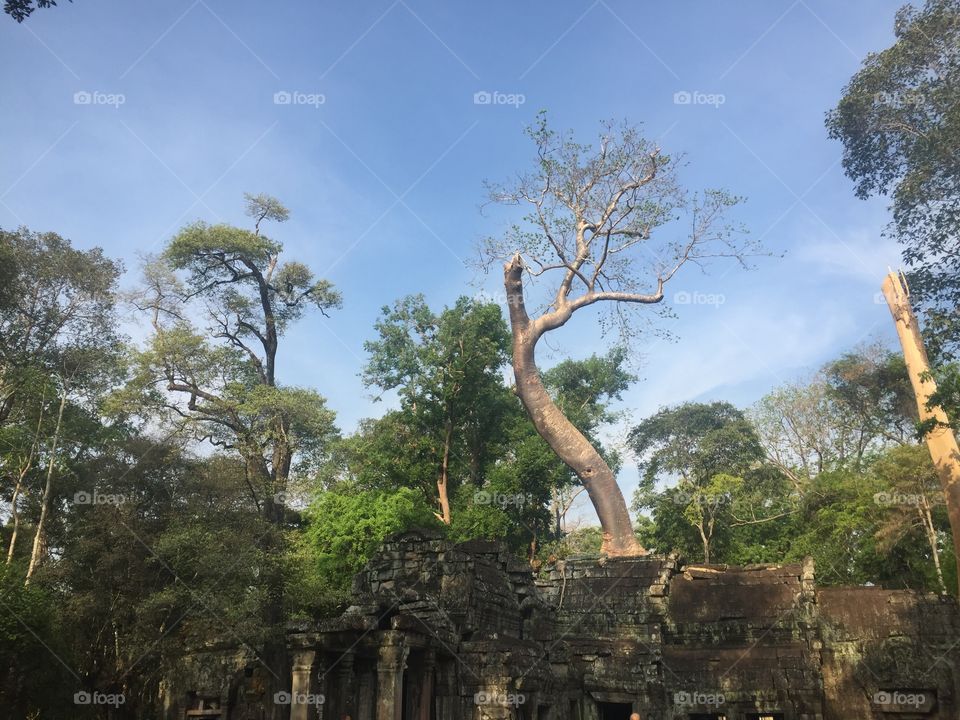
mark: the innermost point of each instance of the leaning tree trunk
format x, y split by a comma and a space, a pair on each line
569, 444
940, 440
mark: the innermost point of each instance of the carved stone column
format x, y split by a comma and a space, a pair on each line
321, 686
346, 687
366, 683
426, 685
391, 662
300, 677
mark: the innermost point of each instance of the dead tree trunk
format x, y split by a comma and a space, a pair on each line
570, 445
940, 440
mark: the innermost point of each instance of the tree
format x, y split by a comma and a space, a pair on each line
915, 499
592, 216
220, 382
346, 526
849, 523
899, 122
59, 352
30, 685
446, 368
56, 301
934, 423
849, 411
583, 390
871, 387
20, 10
711, 451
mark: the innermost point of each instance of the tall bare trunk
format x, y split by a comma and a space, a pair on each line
24, 469
569, 444
15, 516
940, 441
926, 517
443, 481
47, 490
705, 541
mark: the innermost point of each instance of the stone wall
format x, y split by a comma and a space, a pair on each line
443, 631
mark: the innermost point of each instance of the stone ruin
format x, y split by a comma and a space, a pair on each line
444, 631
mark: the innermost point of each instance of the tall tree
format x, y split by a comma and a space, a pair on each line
447, 369
593, 213
939, 436
221, 381
707, 449
59, 353
850, 410
899, 121
56, 300
915, 500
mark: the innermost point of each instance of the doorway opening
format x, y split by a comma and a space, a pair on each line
614, 711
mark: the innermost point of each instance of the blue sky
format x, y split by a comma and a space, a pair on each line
384, 176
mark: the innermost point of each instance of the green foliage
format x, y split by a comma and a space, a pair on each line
853, 409
720, 484
947, 396
582, 541
57, 315
262, 207
235, 268
447, 369
345, 526
189, 548
585, 389
31, 679
694, 442
20, 10
872, 387
899, 121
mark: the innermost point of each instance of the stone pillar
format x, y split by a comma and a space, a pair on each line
346, 687
391, 662
490, 700
366, 684
300, 683
321, 686
426, 685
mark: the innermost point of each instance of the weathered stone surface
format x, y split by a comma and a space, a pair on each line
447, 632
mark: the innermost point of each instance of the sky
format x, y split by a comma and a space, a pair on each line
377, 124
